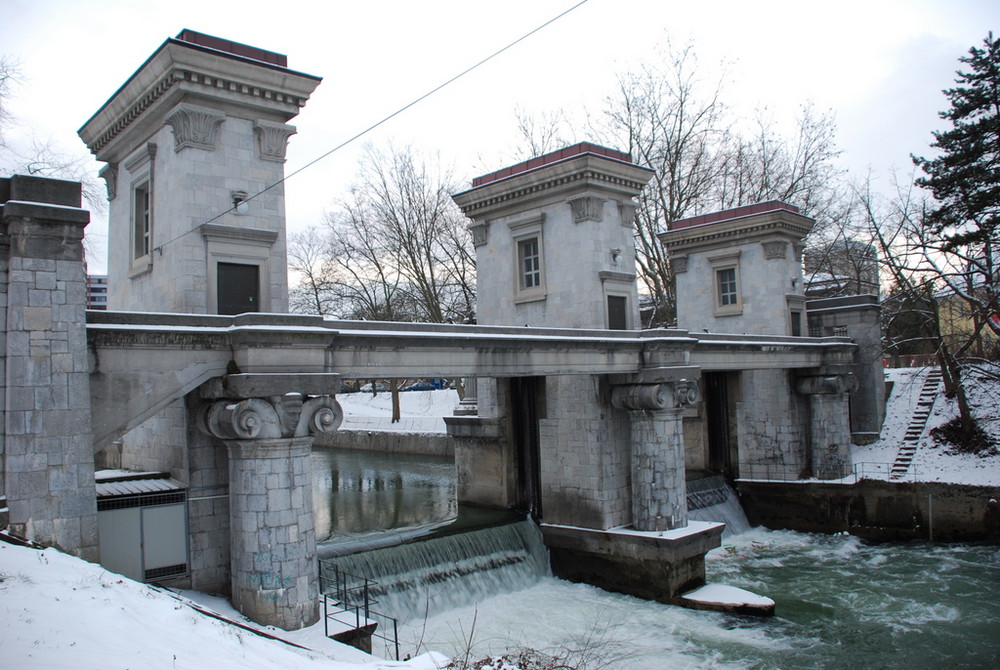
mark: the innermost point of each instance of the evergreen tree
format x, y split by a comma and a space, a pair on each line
965, 178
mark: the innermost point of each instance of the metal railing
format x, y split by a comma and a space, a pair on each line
347, 600
779, 472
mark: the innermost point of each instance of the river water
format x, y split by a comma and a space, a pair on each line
841, 602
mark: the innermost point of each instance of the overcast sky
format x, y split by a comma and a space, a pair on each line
879, 65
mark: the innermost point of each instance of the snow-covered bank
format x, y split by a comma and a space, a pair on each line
420, 411
61, 612
935, 462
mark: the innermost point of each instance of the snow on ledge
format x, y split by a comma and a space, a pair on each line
692, 528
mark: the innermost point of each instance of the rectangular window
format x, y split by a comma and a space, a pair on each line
530, 262
796, 323
528, 247
617, 312
141, 221
728, 292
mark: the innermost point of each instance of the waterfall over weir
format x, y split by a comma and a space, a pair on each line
429, 576
713, 499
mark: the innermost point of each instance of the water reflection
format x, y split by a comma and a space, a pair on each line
360, 492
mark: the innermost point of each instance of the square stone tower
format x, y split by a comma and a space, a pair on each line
195, 143
752, 258
553, 239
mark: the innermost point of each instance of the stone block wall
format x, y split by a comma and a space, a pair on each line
584, 455
772, 421
47, 456
857, 317
208, 510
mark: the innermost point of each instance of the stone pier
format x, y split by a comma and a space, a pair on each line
829, 426
47, 444
275, 577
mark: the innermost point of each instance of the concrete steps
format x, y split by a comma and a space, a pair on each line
918, 422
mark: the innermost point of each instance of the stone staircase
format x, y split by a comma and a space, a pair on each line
928, 394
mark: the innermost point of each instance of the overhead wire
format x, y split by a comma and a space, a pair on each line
384, 120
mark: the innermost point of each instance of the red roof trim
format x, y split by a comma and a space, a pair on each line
235, 48
554, 157
735, 213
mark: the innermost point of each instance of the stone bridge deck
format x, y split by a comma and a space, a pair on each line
141, 362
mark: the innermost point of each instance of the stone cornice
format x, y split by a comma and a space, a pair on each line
179, 69
568, 177
257, 236
779, 225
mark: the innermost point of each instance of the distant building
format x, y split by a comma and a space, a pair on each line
839, 268
97, 291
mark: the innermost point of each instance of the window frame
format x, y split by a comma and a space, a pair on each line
725, 264
523, 233
141, 221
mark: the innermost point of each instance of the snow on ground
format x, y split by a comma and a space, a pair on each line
420, 411
933, 462
61, 612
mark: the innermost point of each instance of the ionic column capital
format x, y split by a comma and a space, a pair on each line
665, 395
290, 415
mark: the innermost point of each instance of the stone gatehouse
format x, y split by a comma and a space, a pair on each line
583, 421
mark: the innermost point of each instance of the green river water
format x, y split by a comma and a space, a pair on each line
841, 602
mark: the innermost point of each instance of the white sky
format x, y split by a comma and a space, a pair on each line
879, 65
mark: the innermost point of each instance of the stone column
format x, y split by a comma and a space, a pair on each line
659, 486
48, 448
275, 578
829, 455
469, 405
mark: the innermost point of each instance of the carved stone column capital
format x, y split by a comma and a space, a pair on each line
666, 395
272, 140
587, 208
290, 415
194, 127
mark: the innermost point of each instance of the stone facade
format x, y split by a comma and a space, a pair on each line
740, 271
206, 118
554, 248
857, 317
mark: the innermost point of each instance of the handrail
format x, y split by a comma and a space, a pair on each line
339, 598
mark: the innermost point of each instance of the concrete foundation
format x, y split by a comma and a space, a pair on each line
655, 566
877, 510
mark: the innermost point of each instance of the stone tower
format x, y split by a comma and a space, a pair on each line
753, 258
553, 239
195, 146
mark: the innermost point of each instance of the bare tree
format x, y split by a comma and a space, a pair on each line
672, 121
930, 282
308, 259
396, 248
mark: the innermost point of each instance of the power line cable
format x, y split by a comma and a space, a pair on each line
384, 120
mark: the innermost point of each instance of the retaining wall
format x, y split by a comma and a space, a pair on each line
422, 444
877, 510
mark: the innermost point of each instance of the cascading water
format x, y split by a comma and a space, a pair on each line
713, 499
429, 576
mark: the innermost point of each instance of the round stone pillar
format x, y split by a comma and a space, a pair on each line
659, 485
275, 578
